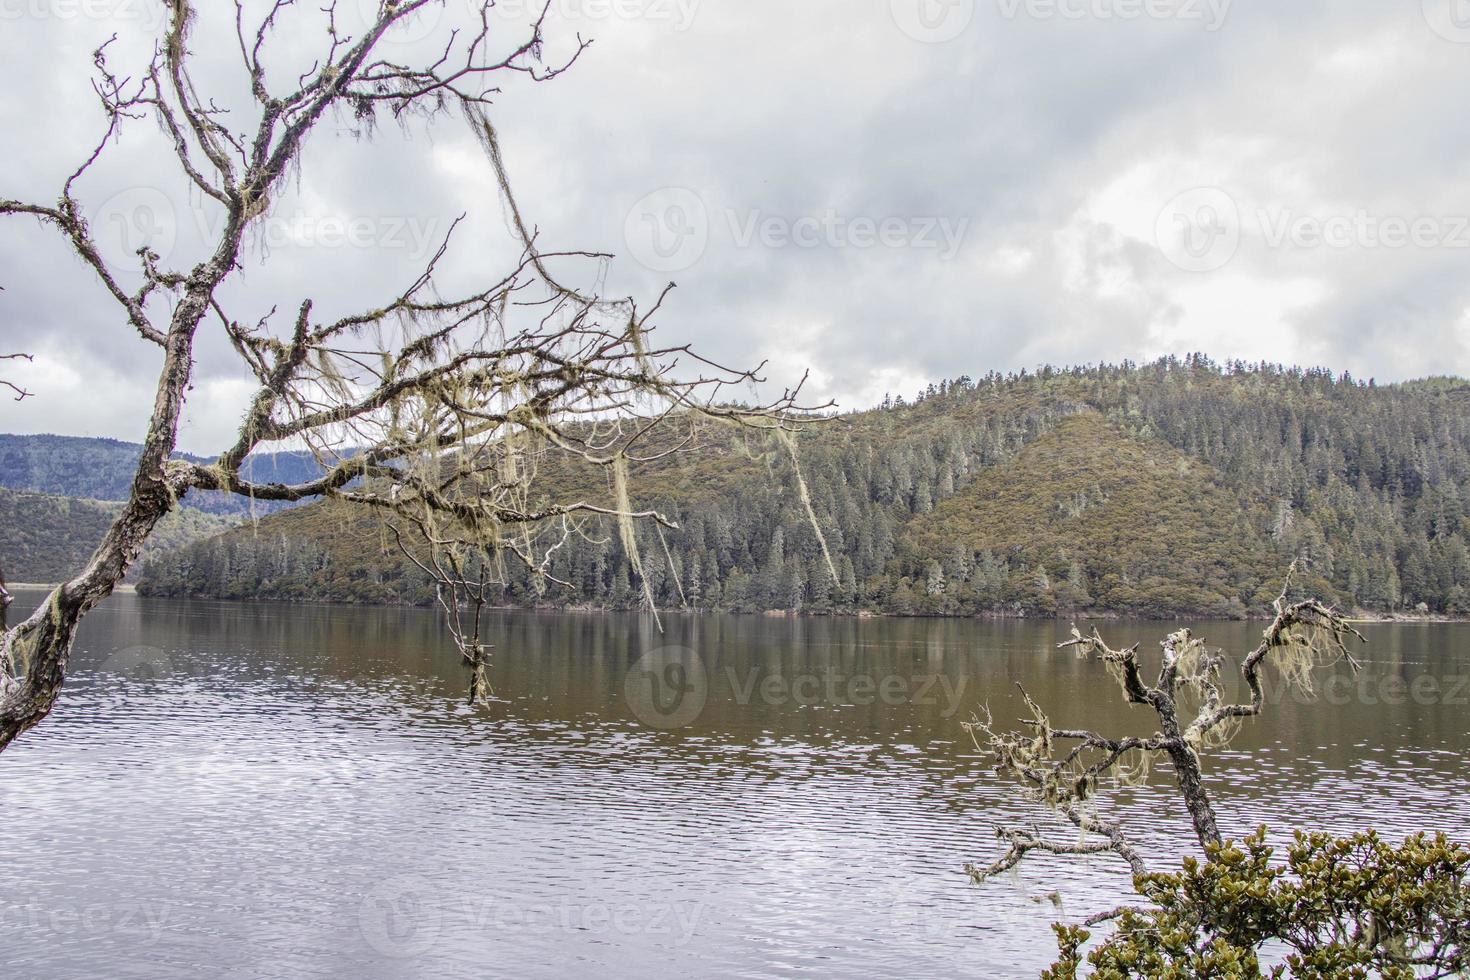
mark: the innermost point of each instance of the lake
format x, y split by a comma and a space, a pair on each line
259, 790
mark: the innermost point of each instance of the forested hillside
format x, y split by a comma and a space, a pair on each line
102, 469
1178, 487
46, 538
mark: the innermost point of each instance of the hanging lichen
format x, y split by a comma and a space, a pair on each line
788, 439
626, 531
673, 569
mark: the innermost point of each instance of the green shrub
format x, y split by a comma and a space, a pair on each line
1340, 907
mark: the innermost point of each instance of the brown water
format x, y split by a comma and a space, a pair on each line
252, 790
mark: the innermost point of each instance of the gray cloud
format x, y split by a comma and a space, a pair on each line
1054, 134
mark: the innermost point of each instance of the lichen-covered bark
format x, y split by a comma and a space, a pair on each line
41, 644
1187, 773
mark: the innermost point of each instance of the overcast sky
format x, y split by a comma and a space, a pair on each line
884, 192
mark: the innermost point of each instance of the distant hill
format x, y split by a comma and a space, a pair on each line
102, 469
1178, 487
47, 538
1103, 519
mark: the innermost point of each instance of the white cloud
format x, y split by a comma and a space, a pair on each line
1060, 143
1238, 315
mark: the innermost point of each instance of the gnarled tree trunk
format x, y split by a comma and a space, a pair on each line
42, 643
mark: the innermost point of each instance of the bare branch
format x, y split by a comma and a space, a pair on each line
20, 393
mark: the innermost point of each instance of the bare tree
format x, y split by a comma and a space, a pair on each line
1064, 768
428, 405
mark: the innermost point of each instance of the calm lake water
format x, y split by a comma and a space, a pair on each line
253, 790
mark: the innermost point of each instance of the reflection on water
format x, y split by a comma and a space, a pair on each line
265, 790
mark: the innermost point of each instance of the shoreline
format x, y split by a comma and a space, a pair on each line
125, 587
1358, 617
